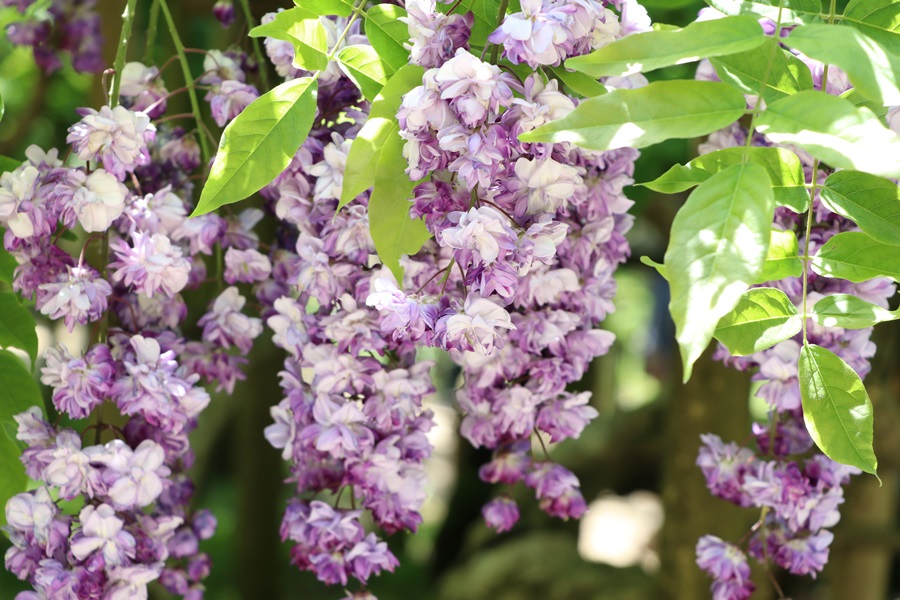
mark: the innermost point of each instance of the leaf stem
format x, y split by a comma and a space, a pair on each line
188, 79
121, 50
257, 49
357, 10
152, 27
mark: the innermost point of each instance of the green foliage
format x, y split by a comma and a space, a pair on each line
362, 64
366, 150
8, 264
878, 19
782, 259
834, 131
855, 256
717, 248
652, 50
260, 143
872, 202
786, 75
340, 8
485, 13
849, 312
873, 71
791, 11
304, 31
836, 408
762, 318
17, 326
636, 118
388, 34
8, 164
578, 83
783, 167
18, 392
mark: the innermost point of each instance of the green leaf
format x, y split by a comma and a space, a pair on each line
660, 268
2, 107
787, 74
340, 8
260, 143
836, 408
834, 131
17, 326
762, 318
857, 99
871, 202
485, 13
388, 34
363, 159
792, 11
872, 70
18, 392
390, 225
362, 65
783, 259
579, 83
783, 167
856, 257
849, 312
647, 51
8, 263
717, 247
307, 35
7, 164
637, 118
878, 19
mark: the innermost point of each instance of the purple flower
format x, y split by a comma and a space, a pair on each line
137, 478
99, 201
116, 137
102, 533
225, 325
79, 384
80, 297
539, 35
500, 514
567, 416
370, 556
224, 12
246, 266
557, 488
142, 89
435, 37
724, 466
548, 184
476, 328
728, 567
475, 89
152, 264
228, 99
483, 232
804, 555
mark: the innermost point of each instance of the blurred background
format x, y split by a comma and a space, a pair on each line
648, 502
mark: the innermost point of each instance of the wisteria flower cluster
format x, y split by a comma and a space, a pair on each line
64, 27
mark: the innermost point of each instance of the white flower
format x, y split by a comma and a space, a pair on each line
330, 171
483, 229
477, 326
17, 187
99, 201
549, 183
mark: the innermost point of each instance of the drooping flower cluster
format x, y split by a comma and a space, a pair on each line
64, 26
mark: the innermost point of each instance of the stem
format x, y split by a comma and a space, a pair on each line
765, 79
257, 49
127, 23
357, 10
188, 80
495, 51
152, 26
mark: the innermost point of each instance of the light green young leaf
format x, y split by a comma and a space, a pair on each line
792, 11
878, 19
850, 312
872, 70
650, 50
783, 259
260, 143
390, 225
836, 408
8, 164
855, 256
641, 117
717, 247
304, 31
388, 34
660, 268
340, 8
872, 202
17, 326
579, 83
365, 152
762, 318
364, 67
783, 166
18, 392
859, 100
834, 131
747, 70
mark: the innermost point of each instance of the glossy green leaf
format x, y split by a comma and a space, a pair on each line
855, 256
8, 164
17, 326
307, 35
364, 67
783, 167
260, 143
762, 318
834, 131
859, 100
388, 34
641, 117
390, 225
485, 17
365, 152
8, 263
791, 11
717, 247
870, 201
650, 50
579, 83
872, 69
783, 258
18, 392
878, 19
850, 312
340, 8
747, 70
836, 408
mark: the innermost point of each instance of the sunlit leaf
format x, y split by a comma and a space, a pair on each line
17, 326
855, 256
878, 19
786, 75
388, 34
579, 83
870, 201
762, 318
364, 67
850, 312
790, 11
783, 258
307, 35
340, 8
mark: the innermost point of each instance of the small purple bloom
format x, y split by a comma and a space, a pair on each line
500, 514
